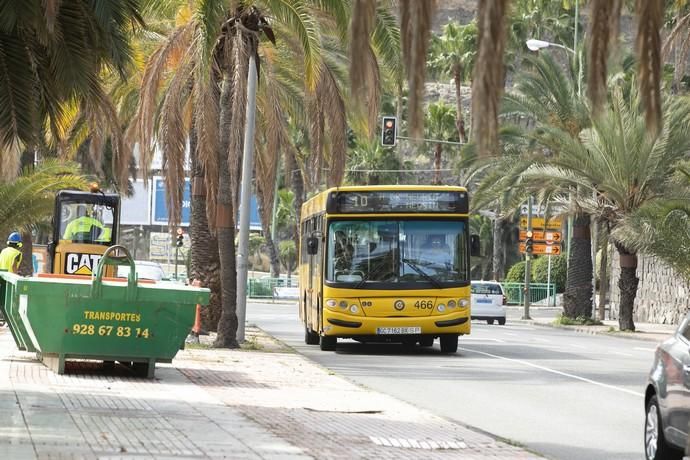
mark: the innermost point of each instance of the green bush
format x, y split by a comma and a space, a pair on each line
559, 271
579, 321
516, 274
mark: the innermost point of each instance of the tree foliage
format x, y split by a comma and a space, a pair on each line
29, 199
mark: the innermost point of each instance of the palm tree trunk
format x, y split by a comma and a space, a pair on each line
26, 267
205, 264
273, 254
437, 164
603, 278
297, 183
227, 325
497, 256
627, 284
460, 119
577, 299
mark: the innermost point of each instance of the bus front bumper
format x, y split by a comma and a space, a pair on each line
343, 325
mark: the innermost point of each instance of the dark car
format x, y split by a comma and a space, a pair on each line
667, 398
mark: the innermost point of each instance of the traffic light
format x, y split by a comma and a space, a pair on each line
389, 131
529, 241
180, 238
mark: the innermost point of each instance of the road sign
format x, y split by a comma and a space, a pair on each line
554, 223
540, 235
536, 211
543, 248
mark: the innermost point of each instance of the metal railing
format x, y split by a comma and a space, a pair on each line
264, 288
541, 294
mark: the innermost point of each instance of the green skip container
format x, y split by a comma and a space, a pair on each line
66, 317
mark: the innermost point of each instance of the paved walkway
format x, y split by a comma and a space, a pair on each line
643, 331
262, 402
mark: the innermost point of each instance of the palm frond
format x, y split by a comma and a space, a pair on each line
297, 16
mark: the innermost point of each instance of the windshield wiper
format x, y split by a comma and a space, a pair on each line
428, 277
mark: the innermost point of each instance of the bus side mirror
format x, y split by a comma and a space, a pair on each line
475, 247
312, 245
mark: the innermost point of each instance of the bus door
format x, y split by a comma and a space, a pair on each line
315, 275
312, 241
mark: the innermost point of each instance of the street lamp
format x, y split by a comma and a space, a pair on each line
536, 45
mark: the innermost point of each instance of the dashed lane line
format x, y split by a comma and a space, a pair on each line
554, 371
644, 348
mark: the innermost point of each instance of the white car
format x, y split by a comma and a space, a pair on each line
145, 270
488, 302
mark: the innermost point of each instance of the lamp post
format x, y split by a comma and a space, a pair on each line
535, 45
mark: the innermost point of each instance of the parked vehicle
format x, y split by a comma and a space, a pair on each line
488, 302
667, 397
145, 270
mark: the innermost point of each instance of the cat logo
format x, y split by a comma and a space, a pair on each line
81, 264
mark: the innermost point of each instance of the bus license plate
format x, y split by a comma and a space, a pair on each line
398, 330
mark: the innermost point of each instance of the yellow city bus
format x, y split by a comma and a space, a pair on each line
386, 264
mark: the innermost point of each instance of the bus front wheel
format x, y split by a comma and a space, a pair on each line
328, 343
449, 343
310, 337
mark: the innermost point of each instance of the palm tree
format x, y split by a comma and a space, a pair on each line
210, 56
452, 54
678, 40
27, 202
51, 58
371, 164
441, 125
661, 230
288, 254
624, 167
544, 97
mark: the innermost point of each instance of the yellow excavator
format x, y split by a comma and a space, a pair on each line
85, 224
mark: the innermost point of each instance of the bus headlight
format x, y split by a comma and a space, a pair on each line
441, 307
463, 303
343, 304
451, 304
331, 303
354, 308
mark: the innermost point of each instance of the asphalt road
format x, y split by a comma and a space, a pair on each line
562, 394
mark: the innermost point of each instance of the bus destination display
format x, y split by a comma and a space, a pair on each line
398, 202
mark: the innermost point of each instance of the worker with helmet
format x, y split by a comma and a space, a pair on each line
11, 256
85, 228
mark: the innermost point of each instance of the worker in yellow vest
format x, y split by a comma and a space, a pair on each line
11, 256
84, 228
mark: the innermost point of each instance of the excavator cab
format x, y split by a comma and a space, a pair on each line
85, 224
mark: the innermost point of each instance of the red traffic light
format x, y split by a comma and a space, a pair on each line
388, 131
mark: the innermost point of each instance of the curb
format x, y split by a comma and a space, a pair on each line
638, 335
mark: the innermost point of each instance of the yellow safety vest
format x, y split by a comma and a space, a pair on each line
81, 225
8, 256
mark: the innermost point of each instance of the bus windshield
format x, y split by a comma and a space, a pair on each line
407, 253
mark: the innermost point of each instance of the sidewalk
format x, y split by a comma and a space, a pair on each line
643, 331
261, 402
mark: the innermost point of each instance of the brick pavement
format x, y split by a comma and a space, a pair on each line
246, 404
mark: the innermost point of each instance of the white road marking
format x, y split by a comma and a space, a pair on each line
554, 371
574, 345
620, 353
482, 339
537, 339
644, 349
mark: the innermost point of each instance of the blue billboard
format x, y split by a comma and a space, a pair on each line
160, 208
